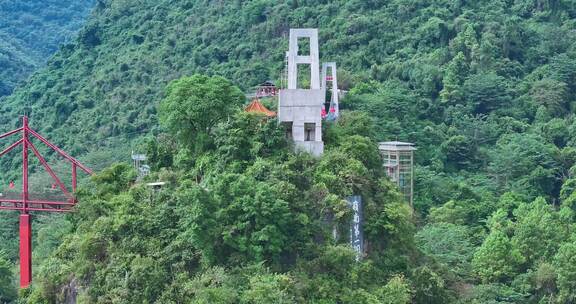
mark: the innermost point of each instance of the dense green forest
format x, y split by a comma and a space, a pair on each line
486, 90
31, 31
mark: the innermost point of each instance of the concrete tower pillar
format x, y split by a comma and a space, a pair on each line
335, 103
300, 110
294, 59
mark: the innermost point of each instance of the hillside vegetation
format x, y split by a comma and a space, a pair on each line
31, 31
486, 89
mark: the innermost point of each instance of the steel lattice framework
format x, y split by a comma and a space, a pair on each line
25, 203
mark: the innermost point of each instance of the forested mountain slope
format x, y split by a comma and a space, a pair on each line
484, 88
108, 82
31, 31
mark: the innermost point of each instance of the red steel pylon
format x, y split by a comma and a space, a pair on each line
24, 203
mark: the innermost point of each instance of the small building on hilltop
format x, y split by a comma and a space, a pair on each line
267, 89
399, 164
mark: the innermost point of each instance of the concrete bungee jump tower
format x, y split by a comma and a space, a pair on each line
299, 110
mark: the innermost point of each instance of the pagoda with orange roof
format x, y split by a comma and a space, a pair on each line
257, 107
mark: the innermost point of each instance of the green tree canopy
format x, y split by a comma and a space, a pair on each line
194, 105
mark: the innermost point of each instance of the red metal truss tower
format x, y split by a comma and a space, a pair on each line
25, 202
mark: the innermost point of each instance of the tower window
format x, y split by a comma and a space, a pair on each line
288, 129
309, 131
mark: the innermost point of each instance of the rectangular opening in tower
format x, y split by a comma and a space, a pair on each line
287, 126
310, 132
304, 76
303, 46
330, 75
